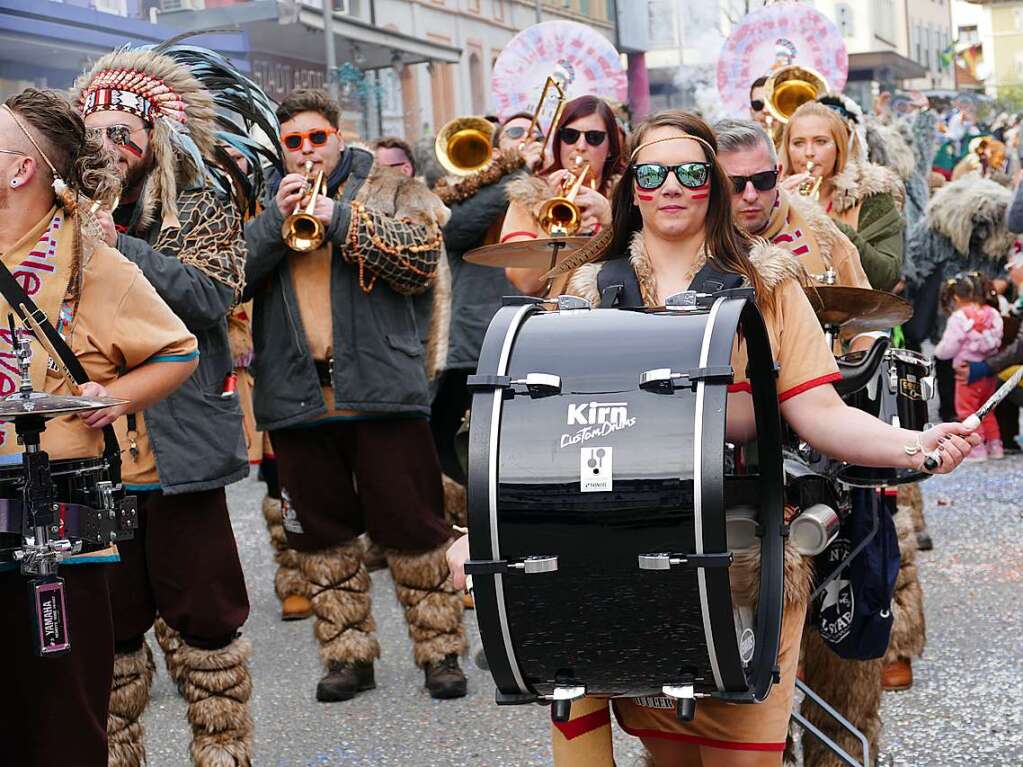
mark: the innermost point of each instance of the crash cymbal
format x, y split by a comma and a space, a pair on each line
526, 254
52, 406
858, 310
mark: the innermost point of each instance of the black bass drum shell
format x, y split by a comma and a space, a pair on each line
605, 471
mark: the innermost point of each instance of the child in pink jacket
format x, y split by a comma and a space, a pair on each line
973, 332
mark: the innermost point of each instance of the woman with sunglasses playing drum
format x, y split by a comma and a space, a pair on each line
673, 222
864, 199
586, 136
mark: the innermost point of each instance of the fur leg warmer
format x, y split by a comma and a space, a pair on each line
170, 642
909, 632
129, 696
912, 497
852, 687
339, 590
455, 511
217, 686
433, 607
287, 580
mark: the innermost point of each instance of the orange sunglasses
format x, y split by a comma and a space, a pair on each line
317, 137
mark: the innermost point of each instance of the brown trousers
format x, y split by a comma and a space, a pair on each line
54, 711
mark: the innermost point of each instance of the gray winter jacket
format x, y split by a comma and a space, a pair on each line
378, 365
476, 290
196, 435
1015, 216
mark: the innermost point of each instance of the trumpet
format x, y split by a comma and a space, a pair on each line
302, 231
560, 216
812, 186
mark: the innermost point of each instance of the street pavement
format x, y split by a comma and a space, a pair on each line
966, 707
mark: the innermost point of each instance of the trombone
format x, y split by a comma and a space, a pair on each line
560, 216
551, 84
465, 145
302, 231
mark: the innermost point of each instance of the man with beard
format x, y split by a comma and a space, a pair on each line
341, 386
131, 345
183, 564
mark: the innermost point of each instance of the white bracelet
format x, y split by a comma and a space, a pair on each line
915, 447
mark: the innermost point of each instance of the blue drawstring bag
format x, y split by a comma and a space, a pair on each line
853, 612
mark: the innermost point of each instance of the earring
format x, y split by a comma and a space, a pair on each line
14, 182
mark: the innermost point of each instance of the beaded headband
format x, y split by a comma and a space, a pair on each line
688, 136
140, 94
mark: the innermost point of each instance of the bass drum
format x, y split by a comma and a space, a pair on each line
599, 480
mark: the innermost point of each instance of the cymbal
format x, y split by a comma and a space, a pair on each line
858, 310
526, 254
52, 406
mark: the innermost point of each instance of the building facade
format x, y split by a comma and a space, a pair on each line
999, 30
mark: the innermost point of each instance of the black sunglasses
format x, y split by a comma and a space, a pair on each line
652, 175
757, 105
764, 181
593, 137
518, 131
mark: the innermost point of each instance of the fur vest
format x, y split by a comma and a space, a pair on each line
859, 180
532, 191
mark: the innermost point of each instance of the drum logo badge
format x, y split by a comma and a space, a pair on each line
595, 469
597, 419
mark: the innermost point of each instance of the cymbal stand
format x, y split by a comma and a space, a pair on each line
43, 547
555, 245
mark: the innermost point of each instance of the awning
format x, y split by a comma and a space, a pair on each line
884, 65
57, 41
356, 41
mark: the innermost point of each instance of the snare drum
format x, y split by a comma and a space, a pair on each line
92, 509
898, 395
597, 500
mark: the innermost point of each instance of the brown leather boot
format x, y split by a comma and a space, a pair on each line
445, 679
343, 680
897, 675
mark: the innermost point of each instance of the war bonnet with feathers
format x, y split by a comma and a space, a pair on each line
195, 102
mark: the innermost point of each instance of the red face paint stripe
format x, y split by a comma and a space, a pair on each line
701, 196
645, 197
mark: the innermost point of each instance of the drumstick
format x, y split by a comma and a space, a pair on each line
972, 422
37, 331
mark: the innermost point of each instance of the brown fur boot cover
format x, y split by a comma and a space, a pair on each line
339, 590
170, 642
909, 633
129, 696
287, 580
912, 497
433, 607
852, 687
217, 686
454, 502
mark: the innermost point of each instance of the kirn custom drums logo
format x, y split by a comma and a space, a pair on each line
596, 419
837, 602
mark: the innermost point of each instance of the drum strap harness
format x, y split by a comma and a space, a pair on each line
16, 296
619, 287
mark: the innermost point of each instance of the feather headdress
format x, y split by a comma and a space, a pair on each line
195, 102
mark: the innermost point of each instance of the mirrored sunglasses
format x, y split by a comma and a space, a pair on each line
652, 175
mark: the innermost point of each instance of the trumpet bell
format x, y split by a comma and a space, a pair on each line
464, 145
303, 233
559, 217
790, 87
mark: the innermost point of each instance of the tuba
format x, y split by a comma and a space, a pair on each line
302, 231
560, 216
789, 87
465, 145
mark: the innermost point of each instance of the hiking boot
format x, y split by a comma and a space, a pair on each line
343, 680
444, 678
296, 607
897, 675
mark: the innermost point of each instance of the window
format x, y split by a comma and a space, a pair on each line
844, 17
476, 84
884, 20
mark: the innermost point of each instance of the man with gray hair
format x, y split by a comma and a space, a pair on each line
777, 211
